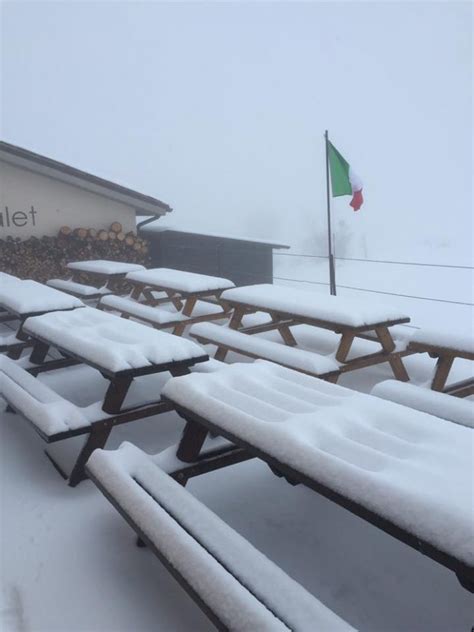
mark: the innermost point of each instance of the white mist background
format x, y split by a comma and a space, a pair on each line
219, 109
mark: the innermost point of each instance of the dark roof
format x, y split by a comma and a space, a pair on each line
144, 204
155, 226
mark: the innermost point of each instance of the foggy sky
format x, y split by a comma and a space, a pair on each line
219, 109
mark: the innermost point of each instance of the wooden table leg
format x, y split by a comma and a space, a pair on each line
191, 442
284, 332
178, 304
189, 306
136, 291
39, 352
220, 354
398, 368
385, 339
97, 439
388, 345
15, 352
180, 370
344, 346
443, 367
116, 394
236, 319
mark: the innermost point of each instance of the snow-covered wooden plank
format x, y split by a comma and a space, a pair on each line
108, 342
460, 411
459, 343
30, 297
313, 305
179, 280
104, 267
241, 588
256, 347
46, 409
153, 315
77, 289
403, 465
7, 278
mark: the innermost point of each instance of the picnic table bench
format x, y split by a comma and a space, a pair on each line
120, 350
185, 290
227, 339
22, 299
446, 347
235, 585
402, 470
110, 274
351, 318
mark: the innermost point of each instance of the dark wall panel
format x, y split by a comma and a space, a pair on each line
244, 263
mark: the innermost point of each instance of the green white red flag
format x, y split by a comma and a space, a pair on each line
344, 180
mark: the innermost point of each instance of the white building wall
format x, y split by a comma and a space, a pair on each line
34, 204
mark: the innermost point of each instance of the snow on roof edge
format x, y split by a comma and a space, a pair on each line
155, 227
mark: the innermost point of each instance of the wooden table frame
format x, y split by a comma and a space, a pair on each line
120, 382
445, 358
282, 321
116, 282
196, 463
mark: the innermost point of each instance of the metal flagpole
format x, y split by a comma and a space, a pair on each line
332, 271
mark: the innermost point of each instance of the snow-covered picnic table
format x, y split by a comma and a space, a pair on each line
119, 349
109, 274
21, 299
446, 346
405, 471
25, 298
183, 289
114, 346
351, 318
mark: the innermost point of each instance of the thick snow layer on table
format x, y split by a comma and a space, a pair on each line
303, 303
179, 280
77, 288
407, 466
7, 278
203, 560
37, 402
355, 569
145, 312
281, 354
110, 342
456, 340
102, 266
456, 409
27, 297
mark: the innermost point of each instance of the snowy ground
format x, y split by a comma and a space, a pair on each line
69, 562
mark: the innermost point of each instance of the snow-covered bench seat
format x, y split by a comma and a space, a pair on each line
161, 317
80, 290
254, 347
446, 346
460, 411
237, 587
52, 415
403, 470
157, 317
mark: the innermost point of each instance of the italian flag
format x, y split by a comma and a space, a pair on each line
344, 181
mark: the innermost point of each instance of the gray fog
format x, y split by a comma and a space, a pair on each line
219, 109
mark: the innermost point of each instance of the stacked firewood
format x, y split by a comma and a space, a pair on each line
45, 258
